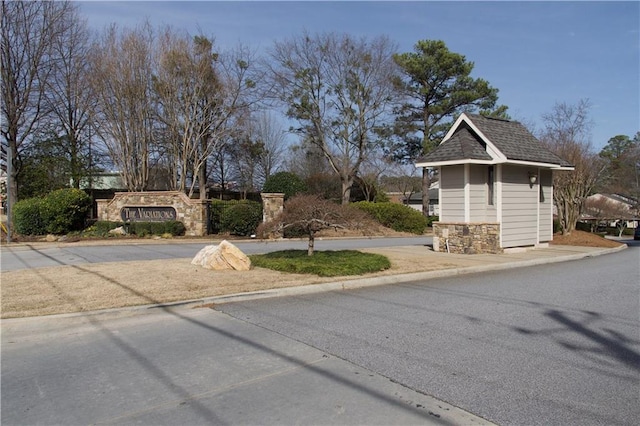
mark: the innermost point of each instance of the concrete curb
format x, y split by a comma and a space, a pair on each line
339, 285
390, 279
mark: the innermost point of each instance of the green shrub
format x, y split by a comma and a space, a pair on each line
174, 228
396, 216
323, 263
27, 217
216, 207
143, 229
241, 217
59, 212
101, 228
65, 210
381, 197
431, 219
285, 182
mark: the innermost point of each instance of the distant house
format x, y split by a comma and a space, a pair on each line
415, 200
611, 210
496, 186
104, 181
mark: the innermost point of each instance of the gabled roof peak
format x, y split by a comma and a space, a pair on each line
505, 141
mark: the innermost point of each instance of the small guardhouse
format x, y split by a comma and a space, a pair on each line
496, 187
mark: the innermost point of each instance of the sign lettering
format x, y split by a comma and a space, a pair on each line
147, 214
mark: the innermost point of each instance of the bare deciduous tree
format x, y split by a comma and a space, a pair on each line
567, 133
373, 167
69, 98
404, 180
338, 88
269, 133
123, 64
29, 30
203, 97
258, 152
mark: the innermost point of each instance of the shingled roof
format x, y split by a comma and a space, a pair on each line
484, 140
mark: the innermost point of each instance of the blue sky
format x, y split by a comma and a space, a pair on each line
535, 53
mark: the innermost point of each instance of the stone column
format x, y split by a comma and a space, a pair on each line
272, 205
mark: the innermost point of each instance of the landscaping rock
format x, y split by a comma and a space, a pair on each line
223, 256
118, 231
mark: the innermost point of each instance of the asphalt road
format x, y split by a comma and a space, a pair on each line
37, 256
550, 345
191, 367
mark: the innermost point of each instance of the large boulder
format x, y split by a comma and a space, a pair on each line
222, 256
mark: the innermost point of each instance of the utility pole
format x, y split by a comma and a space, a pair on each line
8, 202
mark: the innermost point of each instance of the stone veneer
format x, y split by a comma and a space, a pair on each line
466, 238
192, 213
272, 205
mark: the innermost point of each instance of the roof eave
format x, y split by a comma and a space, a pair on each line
455, 162
539, 164
462, 161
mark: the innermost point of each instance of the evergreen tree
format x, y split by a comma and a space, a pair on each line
436, 87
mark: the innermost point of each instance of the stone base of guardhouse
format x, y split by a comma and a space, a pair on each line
466, 238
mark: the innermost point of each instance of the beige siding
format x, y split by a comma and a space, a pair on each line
452, 194
519, 208
546, 206
480, 210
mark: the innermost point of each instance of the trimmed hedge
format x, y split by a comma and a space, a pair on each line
237, 217
59, 212
102, 227
65, 210
27, 217
142, 229
396, 216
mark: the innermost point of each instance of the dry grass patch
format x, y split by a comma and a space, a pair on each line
89, 287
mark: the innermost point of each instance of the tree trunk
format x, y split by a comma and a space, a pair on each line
426, 183
347, 183
202, 181
311, 242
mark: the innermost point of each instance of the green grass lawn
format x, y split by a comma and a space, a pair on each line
322, 263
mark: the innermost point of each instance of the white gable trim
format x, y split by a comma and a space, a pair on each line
492, 150
467, 193
498, 193
537, 186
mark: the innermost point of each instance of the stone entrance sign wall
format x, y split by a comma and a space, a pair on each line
156, 207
